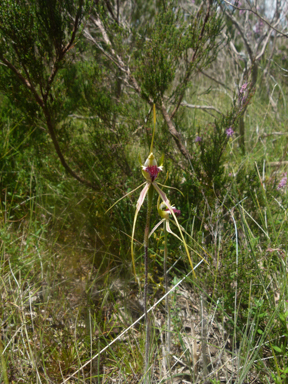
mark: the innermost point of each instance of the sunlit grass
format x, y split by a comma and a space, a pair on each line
66, 281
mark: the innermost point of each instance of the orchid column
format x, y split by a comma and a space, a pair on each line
150, 171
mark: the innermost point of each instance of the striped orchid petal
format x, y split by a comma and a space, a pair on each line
138, 206
166, 201
170, 231
156, 226
142, 197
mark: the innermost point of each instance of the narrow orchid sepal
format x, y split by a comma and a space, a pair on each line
156, 226
140, 202
174, 234
123, 197
165, 214
154, 127
166, 201
170, 231
140, 161
167, 186
161, 161
204, 250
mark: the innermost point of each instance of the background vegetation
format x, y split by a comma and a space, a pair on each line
77, 83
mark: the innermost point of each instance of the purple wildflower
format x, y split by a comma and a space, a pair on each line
283, 181
229, 132
198, 139
243, 88
259, 27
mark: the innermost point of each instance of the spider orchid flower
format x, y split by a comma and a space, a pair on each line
165, 213
150, 169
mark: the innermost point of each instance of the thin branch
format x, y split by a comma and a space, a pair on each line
265, 45
201, 107
99, 24
64, 51
213, 79
50, 126
274, 134
59, 152
187, 76
119, 62
238, 26
277, 163
175, 134
118, 9
75, 28
91, 38
260, 17
110, 9
82, 117
237, 55
24, 81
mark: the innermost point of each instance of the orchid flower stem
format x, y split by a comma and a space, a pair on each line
167, 338
166, 283
146, 263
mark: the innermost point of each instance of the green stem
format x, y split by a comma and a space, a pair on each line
167, 335
166, 290
167, 338
146, 263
